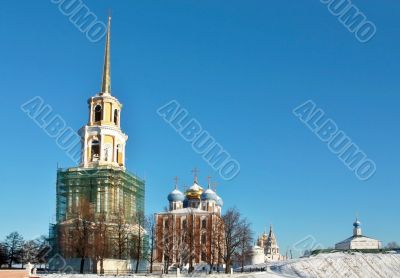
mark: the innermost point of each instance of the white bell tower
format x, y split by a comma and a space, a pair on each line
103, 142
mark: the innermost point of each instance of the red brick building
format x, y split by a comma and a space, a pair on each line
191, 232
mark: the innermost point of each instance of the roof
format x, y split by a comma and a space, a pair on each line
350, 239
185, 211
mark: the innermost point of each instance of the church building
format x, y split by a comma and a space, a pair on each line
191, 231
358, 241
99, 198
266, 249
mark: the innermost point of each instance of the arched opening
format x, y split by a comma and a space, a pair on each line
119, 154
116, 117
204, 224
97, 113
95, 146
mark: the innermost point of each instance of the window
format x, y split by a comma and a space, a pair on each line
97, 113
95, 150
116, 117
184, 224
119, 154
204, 224
203, 239
203, 256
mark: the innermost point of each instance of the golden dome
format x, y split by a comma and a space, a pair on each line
194, 192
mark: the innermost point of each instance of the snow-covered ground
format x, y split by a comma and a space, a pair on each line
339, 265
335, 265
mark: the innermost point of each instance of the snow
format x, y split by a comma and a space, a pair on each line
339, 265
334, 265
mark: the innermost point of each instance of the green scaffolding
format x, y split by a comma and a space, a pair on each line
111, 192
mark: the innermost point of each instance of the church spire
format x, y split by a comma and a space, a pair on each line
106, 83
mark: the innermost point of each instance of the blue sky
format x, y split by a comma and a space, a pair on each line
239, 68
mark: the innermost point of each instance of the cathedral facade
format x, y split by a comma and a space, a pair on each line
191, 231
266, 249
99, 199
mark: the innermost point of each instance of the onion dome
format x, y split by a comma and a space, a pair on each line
176, 196
209, 195
219, 201
195, 191
357, 224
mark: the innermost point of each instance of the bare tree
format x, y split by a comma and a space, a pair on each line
121, 235
138, 252
44, 249
181, 247
151, 230
101, 246
13, 245
246, 239
233, 228
214, 245
80, 232
3, 254
167, 244
29, 253
392, 245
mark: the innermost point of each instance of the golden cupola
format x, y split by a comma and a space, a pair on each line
195, 191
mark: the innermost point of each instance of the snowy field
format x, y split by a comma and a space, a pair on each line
339, 265
335, 265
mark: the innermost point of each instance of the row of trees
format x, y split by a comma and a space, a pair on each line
15, 250
95, 236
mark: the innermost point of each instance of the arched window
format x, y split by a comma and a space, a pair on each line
95, 150
116, 117
119, 154
97, 113
204, 224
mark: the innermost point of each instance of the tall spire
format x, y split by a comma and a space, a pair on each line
106, 84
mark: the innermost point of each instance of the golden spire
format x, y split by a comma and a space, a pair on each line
106, 84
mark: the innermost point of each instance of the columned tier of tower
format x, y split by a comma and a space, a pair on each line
103, 146
104, 110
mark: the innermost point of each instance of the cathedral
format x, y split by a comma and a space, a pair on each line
266, 249
99, 201
191, 231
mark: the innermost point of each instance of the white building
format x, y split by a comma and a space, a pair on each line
266, 249
358, 241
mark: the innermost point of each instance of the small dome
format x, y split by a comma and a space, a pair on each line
357, 223
209, 194
219, 201
176, 196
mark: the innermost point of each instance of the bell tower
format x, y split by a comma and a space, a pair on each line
102, 138
99, 190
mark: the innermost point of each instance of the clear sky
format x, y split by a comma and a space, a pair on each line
239, 68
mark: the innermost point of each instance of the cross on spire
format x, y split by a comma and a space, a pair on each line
195, 172
176, 179
209, 182
215, 186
